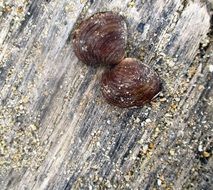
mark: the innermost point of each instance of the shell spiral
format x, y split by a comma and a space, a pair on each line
130, 84
101, 39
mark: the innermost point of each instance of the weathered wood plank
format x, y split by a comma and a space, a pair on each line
56, 130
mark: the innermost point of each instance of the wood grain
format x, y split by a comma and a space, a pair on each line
57, 131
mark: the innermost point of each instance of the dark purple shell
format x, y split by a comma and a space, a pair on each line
101, 39
130, 83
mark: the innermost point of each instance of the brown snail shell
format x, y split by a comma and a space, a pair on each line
130, 84
101, 39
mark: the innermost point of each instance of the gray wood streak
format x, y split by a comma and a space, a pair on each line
56, 130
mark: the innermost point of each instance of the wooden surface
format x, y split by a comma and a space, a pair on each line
57, 131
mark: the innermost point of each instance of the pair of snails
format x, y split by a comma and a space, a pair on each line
101, 39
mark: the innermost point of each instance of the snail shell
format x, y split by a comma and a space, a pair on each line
130, 84
101, 39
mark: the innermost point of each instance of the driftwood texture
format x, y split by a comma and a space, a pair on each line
57, 131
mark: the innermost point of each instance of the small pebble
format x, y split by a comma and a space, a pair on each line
148, 120
206, 154
211, 68
172, 152
108, 122
137, 120
200, 148
145, 148
159, 182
